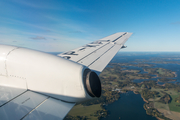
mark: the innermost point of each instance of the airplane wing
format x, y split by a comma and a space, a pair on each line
35, 85
96, 55
22, 104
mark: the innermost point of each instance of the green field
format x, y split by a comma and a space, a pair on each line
158, 90
172, 105
172, 92
80, 110
159, 105
160, 71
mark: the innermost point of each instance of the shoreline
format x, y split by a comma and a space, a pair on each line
147, 102
167, 81
120, 97
158, 118
175, 73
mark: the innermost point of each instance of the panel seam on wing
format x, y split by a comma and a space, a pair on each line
93, 52
98, 49
13, 98
100, 56
34, 108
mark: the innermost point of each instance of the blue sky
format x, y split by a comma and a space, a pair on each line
62, 25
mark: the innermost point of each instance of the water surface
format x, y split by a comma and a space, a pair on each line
128, 107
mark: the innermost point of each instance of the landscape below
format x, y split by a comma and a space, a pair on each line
158, 87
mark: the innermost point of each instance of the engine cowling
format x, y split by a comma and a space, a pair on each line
48, 74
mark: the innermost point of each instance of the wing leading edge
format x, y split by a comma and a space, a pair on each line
96, 55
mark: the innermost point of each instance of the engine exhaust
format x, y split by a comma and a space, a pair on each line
92, 83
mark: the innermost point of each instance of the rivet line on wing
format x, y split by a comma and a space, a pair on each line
93, 52
6, 59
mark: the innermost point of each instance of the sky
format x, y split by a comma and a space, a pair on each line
62, 25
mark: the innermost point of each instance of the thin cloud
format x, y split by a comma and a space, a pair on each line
75, 32
38, 38
22, 23
176, 23
74, 27
60, 6
38, 5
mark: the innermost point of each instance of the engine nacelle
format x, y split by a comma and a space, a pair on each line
47, 74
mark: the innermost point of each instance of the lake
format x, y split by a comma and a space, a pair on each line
128, 107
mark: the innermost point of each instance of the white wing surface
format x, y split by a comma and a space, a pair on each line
98, 54
21, 104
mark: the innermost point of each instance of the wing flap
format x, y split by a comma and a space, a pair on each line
17, 104
19, 107
51, 109
9, 93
